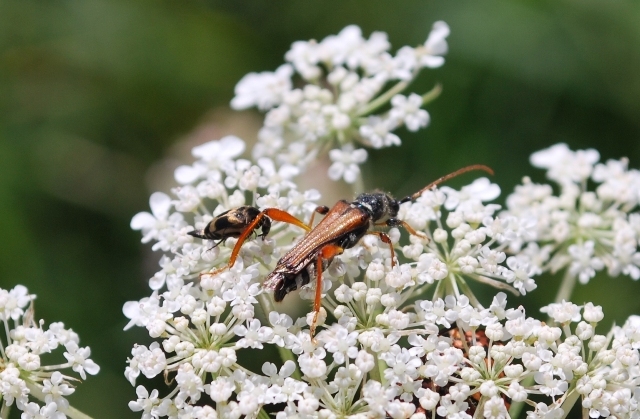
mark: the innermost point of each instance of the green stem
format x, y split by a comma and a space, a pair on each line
439, 292
285, 354
375, 374
358, 185
432, 94
383, 98
4, 411
262, 414
428, 97
566, 287
71, 412
480, 406
568, 403
466, 290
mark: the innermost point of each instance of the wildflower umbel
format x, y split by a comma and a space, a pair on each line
401, 339
345, 81
23, 377
580, 229
204, 322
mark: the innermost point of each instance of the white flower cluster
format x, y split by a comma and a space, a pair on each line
578, 228
602, 369
209, 181
344, 79
399, 337
23, 377
387, 355
203, 322
466, 242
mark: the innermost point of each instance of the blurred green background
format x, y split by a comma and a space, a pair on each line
99, 100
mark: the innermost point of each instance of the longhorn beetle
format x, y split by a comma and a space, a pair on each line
342, 228
241, 222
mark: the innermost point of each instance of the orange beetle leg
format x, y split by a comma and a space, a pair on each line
327, 253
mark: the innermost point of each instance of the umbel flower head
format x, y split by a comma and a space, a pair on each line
344, 81
203, 322
23, 377
580, 228
398, 338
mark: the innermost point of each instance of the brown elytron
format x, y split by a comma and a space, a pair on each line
342, 228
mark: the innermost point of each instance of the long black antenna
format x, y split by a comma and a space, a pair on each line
447, 177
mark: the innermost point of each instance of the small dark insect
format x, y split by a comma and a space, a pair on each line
232, 223
342, 228
241, 222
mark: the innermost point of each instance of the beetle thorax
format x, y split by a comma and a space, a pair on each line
379, 205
